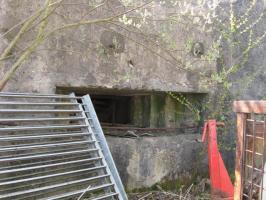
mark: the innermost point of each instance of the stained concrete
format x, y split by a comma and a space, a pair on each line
81, 58
145, 161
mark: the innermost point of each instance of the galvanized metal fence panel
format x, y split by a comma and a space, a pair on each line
48, 150
95, 126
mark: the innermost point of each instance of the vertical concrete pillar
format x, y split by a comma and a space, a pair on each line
157, 114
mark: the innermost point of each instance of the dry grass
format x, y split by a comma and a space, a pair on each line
193, 192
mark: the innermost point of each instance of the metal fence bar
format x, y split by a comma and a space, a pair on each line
263, 158
256, 153
89, 108
253, 184
254, 168
106, 196
50, 176
37, 111
253, 160
31, 137
65, 159
79, 192
35, 94
255, 137
62, 166
50, 165
51, 187
39, 96
41, 128
36, 104
44, 155
41, 119
89, 129
40, 146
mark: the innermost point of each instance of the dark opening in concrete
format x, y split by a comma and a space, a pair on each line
125, 109
112, 109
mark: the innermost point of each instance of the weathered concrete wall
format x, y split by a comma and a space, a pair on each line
145, 161
77, 58
253, 84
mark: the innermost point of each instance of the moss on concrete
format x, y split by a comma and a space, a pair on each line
157, 118
173, 185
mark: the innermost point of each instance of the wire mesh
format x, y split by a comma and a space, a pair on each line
253, 161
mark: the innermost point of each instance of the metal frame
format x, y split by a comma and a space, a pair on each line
250, 135
99, 135
43, 156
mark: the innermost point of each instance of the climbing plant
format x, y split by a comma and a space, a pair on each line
234, 39
234, 32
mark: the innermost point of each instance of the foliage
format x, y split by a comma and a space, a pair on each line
229, 30
184, 101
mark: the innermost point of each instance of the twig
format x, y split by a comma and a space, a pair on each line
19, 34
84, 192
87, 22
145, 196
29, 50
188, 191
41, 36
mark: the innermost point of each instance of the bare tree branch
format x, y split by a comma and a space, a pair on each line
28, 51
19, 34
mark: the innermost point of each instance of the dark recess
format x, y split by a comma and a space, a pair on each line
112, 109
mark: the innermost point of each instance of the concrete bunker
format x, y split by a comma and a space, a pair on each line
151, 135
125, 109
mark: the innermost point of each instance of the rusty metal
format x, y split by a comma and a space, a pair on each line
250, 182
144, 129
258, 107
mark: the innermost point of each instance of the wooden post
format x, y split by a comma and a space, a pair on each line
241, 121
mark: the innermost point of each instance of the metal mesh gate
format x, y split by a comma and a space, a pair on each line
251, 150
50, 149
